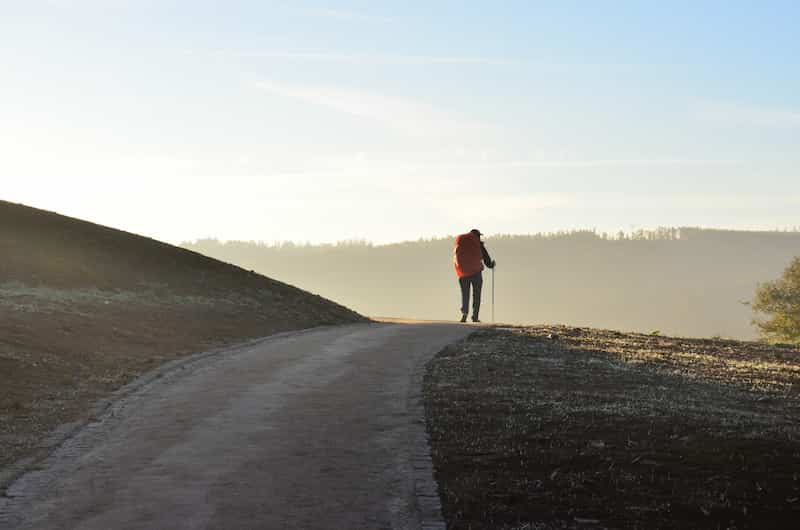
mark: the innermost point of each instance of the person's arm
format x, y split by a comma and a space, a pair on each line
486, 258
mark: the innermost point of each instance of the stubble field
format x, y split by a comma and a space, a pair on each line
557, 427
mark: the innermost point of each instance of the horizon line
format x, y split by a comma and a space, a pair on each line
610, 235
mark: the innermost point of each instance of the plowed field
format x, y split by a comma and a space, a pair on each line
556, 427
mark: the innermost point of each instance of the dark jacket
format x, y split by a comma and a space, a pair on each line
487, 260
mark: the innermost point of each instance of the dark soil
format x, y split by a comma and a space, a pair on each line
84, 309
556, 427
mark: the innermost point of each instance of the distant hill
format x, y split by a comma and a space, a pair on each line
85, 308
680, 281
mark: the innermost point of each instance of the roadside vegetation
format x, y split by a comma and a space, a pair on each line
557, 427
779, 301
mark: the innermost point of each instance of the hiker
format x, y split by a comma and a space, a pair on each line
470, 255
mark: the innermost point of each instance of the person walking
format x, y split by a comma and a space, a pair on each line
469, 257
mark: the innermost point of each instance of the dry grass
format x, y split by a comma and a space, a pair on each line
555, 427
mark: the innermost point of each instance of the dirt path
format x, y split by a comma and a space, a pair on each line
316, 429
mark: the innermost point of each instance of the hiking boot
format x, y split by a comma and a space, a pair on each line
463, 317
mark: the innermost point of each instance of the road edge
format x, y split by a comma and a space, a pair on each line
98, 411
428, 504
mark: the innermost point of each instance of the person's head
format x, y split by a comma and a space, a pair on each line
476, 232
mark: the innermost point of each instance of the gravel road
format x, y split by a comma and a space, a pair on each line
314, 429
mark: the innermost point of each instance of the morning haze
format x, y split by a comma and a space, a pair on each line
685, 281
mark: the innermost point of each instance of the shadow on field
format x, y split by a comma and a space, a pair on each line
556, 427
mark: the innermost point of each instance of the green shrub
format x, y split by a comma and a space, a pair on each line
779, 300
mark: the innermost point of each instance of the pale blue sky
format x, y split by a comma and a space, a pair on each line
321, 121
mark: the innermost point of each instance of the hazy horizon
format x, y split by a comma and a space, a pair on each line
328, 121
631, 233
692, 285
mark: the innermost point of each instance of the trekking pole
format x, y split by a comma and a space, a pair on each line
493, 293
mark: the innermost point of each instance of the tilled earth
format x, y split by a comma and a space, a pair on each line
557, 427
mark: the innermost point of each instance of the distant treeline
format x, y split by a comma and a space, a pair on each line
680, 281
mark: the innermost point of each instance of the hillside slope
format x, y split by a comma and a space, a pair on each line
85, 309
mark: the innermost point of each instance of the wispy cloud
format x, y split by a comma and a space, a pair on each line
367, 58
601, 163
338, 14
89, 4
401, 59
476, 165
508, 212
410, 116
731, 113
501, 207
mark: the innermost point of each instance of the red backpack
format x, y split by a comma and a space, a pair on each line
467, 255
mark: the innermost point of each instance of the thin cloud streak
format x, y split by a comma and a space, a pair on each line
372, 58
506, 213
412, 117
596, 163
399, 166
699, 201
339, 14
411, 60
87, 4
749, 115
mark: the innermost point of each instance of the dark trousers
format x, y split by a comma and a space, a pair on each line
476, 281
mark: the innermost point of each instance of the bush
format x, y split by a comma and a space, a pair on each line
780, 301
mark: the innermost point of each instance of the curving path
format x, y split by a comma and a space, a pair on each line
314, 429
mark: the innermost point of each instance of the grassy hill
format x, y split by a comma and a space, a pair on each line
85, 308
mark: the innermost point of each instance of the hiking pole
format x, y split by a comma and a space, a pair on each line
493, 293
